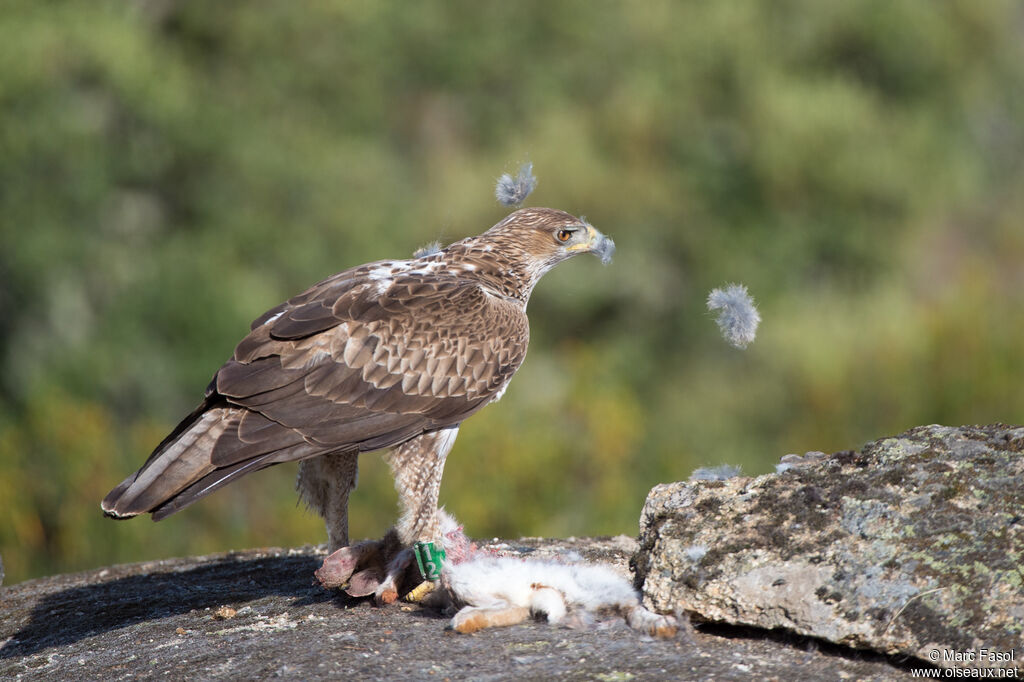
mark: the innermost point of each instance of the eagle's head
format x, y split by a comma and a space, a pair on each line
513, 255
549, 236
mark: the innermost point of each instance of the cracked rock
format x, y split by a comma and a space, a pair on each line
912, 546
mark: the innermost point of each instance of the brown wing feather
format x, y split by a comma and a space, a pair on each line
440, 352
358, 362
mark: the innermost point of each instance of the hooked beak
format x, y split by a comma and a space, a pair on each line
597, 244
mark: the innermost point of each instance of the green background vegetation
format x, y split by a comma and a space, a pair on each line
171, 169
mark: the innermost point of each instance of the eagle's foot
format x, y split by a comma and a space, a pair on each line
417, 594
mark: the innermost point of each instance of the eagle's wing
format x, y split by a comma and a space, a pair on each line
364, 360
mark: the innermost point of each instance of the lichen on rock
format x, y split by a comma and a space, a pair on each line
913, 545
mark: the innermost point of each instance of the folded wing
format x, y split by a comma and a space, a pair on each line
365, 360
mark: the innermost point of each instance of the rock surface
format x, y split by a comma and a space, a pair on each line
256, 615
912, 546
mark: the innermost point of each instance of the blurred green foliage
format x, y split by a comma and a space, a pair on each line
171, 169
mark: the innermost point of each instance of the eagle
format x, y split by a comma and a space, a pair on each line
392, 355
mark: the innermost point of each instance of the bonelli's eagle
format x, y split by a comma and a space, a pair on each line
388, 355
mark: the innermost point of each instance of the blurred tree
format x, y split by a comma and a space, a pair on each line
169, 169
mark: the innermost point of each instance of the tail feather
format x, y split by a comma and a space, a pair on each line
174, 465
184, 467
207, 484
222, 476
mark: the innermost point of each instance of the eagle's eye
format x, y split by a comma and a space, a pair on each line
564, 235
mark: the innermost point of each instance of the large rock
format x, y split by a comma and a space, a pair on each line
913, 546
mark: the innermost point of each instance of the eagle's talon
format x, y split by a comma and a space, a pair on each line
418, 593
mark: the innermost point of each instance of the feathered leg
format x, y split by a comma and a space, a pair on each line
379, 567
325, 483
417, 466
